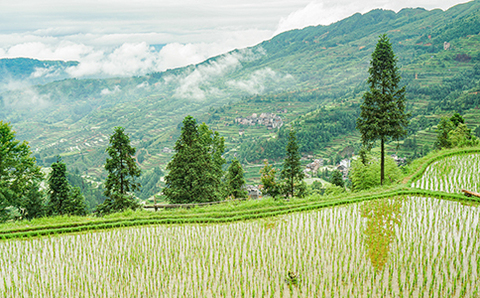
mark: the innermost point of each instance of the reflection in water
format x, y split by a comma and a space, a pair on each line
379, 230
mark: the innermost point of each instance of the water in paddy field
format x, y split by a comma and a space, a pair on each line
452, 174
399, 247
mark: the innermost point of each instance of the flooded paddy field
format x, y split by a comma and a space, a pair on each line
397, 247
452, 174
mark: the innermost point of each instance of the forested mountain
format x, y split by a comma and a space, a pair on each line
312, 78
20, 72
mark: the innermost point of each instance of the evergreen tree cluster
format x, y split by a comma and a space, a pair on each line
196, 170
20, 178
63, 199
291, 183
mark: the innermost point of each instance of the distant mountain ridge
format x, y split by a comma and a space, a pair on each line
307, 72
32, 71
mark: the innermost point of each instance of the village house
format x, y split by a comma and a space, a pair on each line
270, 120
344, 167
312, 168
399, 160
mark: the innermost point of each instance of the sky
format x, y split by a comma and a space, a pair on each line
123, 38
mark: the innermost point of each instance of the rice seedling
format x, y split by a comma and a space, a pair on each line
452, 174
399, 246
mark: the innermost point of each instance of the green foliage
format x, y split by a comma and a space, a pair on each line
313, 132
383, 109
93, 193
195, 170
122, 172
215, 146
366, 176
62, 198
334, 190
292, 173
34, 202
235, 182
316, 188
150, 183
443, 129
461, 136
454, 133
270, 186
19, 174
337, 179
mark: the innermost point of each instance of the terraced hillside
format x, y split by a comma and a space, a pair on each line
305, 72
371, 244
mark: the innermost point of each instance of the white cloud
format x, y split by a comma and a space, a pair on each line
312, 14
195, 85
107, 91
143, 85
45, 72
325, 12
113, 37
260, 80
29, 99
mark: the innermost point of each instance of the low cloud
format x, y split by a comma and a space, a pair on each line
107, 91
261, 80
28, 100
196, 83
143, 85
46, 72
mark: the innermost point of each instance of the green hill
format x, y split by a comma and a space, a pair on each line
312, 78
26, 71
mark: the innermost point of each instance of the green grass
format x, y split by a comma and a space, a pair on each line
235, 211
222, 213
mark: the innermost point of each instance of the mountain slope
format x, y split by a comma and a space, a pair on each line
306, 73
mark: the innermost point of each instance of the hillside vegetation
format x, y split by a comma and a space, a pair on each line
383, 246
315, 76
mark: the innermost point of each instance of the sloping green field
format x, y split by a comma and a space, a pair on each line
397, 242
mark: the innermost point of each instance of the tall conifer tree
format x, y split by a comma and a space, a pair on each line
236, 180
63, 199
292, 171
215, 146
382, 113
122, 172
195, 170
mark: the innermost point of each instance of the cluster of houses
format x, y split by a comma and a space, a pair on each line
167, 150
270, 120
313, 167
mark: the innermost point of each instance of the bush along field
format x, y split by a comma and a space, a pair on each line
419, 239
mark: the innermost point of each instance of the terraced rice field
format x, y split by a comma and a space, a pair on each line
397, 247
452, 174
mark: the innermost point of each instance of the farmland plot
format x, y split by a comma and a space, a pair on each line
406, 247
452, 174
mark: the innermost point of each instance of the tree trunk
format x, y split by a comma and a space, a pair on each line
382, 162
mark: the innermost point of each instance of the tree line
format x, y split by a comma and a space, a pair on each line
21, 194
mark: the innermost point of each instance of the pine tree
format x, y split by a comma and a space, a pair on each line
292, 171
269, 186
34, 202
337, 178
382, 113
63, 199
58, 189
215, 146
443, 129
235, 180
195, 170
78, 205
122, 172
